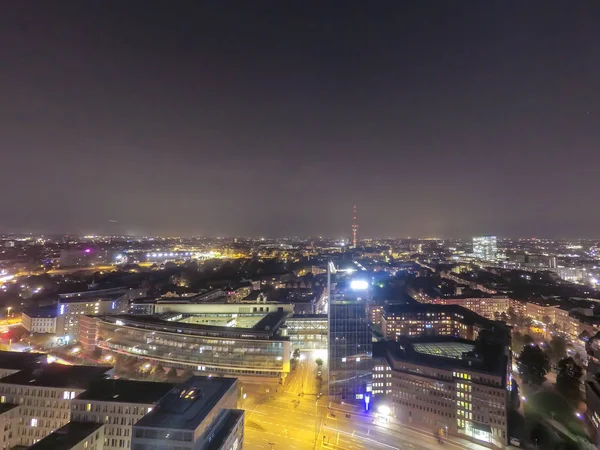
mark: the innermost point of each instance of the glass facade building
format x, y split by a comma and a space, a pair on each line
224, 351
485, 248
350, 351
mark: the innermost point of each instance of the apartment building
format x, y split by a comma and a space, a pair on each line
118, 404
541, 311
9, 418
488, 307
44, 394
430, 319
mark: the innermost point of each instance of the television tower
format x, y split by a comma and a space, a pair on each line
354, 228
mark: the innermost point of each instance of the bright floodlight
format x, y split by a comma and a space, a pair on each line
384, 410
359, 285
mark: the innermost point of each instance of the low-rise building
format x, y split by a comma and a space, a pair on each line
40, 320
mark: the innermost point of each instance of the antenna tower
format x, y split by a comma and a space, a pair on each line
354, 228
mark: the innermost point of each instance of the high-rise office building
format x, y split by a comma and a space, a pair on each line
485, 248
350, 345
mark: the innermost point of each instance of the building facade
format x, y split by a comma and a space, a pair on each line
456, 401
118, 405
350, 351
40, 321
485, 248
71, 307
431, 320
257, 354
45, 395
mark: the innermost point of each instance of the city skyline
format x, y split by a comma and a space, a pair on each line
274, 120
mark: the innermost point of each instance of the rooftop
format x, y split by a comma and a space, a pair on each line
445, 352
20, 361
68, 436
4, 407
186, 406
44, 312
445, 349
266, 327
58, 376
126, 391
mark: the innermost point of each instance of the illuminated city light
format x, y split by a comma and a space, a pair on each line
359, 285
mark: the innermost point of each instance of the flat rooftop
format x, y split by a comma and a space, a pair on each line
126, 391
186, 406
444, 352
68, 436
266, 327
57, 375
20, 361
5, 407
46, 312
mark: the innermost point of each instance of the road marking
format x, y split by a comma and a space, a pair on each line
362, 437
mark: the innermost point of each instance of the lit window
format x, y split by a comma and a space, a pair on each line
88, 407
34, 422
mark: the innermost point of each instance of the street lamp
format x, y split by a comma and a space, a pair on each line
384, 410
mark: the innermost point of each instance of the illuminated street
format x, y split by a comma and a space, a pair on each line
285, 420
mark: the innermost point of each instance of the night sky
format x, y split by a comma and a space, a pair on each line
435, 119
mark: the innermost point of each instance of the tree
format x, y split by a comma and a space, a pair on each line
518, 341
533, 364
514, 397
158, 371
319, 362
546, 320
568, 378
172, 373
96, 353
557, 348
296, 353
187, 373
